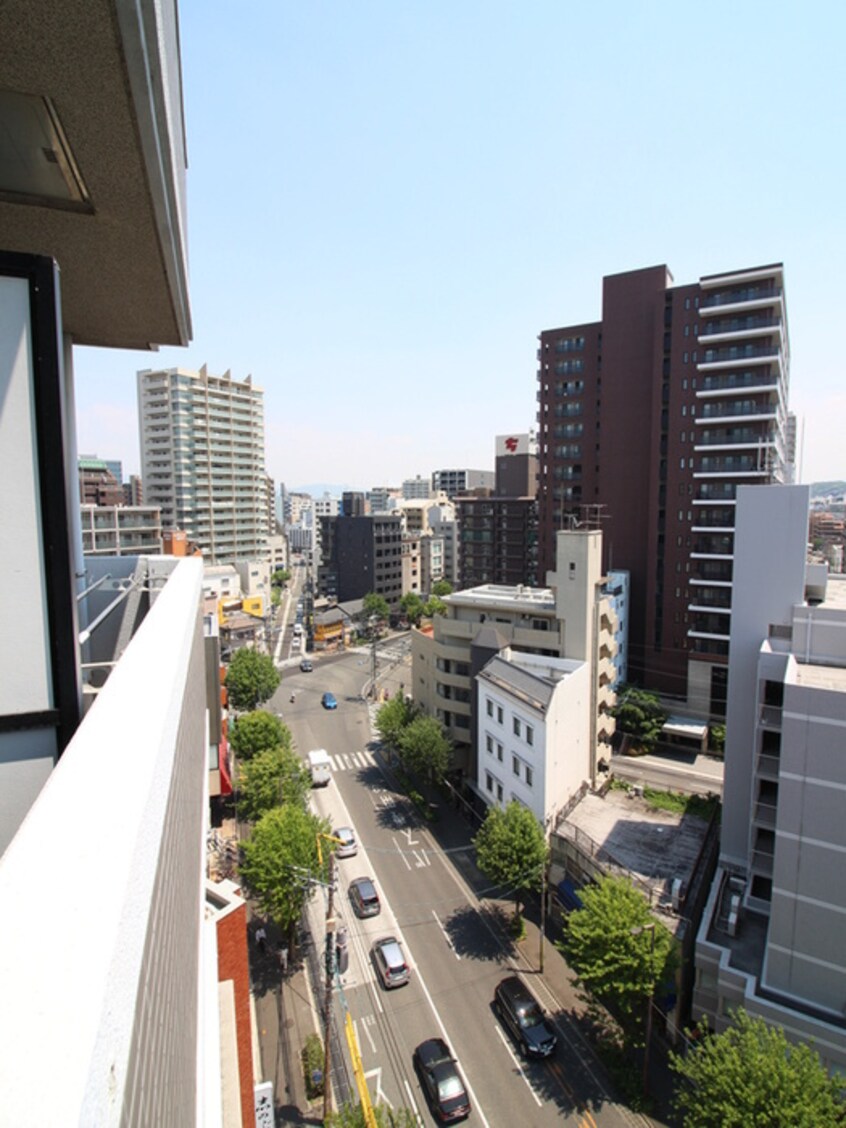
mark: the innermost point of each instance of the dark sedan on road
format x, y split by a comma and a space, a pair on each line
328, 701
445, 1089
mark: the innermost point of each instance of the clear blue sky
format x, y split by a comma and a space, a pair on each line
388, 201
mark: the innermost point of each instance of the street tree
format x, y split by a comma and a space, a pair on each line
424, 747
394, 717
277, 860
280, 577
441, 588
269, 779
610, 945
257, 732
412, 607
434, 606
374, 605
511, 850
352, 1116
640, 715
251, 678
750, 1074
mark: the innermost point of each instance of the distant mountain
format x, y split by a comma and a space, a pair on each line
826, 489
320, 489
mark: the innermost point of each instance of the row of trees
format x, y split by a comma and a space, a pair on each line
281, 856
419, 741
251, 679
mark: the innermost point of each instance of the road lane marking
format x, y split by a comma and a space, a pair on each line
446, 935
411, 841
413, 1101
518, 1066
421, 859
401, 852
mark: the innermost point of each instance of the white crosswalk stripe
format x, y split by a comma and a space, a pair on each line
350, 761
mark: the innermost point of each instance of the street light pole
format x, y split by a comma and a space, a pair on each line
637, 932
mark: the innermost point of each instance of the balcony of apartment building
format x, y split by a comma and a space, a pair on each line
727, 356
710, 623
707, 493
726, 329
708, 598
726, 384
758, 294
713, 519
754, 465
713, 546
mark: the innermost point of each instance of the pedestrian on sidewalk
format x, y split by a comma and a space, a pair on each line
283, 958
261, 940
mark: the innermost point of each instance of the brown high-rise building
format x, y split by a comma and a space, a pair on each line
648, 421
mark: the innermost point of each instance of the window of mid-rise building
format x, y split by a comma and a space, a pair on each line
530, 735
489, 706
516, 722
489, 744
529, 776
489, 781
499, 714
499, 792
515, 765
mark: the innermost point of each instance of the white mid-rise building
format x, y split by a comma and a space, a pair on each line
533, 731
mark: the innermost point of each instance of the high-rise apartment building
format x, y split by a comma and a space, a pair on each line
202, 459
498, 533
648, 421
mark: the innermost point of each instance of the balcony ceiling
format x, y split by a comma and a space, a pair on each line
92, 163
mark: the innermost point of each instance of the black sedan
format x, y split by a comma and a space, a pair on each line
445, 1089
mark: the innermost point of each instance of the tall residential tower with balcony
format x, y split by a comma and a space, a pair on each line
648, 421
202, 459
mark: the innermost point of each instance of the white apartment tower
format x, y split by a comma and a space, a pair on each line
202, 459
771, 938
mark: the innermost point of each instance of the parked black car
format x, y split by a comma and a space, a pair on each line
522, 1016
445, 1089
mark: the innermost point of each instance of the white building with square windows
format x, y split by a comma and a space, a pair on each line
533, 731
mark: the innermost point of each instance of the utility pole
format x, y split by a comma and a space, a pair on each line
330, 977
650, 928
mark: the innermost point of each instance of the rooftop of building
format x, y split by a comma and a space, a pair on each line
815, 676
512, 596
533, 682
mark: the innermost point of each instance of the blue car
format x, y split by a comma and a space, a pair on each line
328, 701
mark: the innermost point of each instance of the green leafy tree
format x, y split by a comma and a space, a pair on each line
280, 577
394, 717
717, 738
412, 607
277, 859
434, 606
640, 715
750, 1074
441, 588
610, 944
257, 732
269, 779
511, 850
352, 1116
251, 678
424, 747
375, 605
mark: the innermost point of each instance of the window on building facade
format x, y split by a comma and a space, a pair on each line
516, 723
489, 782
489, 744
499, 714
489, 705
528, 776
530, 735
499, 792
515, 765
499, 752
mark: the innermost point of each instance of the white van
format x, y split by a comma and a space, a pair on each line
320, 767
298, 629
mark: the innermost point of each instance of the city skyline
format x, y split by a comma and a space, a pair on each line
386, 208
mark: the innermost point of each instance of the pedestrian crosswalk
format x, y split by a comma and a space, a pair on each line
352, 761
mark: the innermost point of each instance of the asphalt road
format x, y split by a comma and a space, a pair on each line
453, 942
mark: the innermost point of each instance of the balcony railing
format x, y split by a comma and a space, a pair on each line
743, 294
